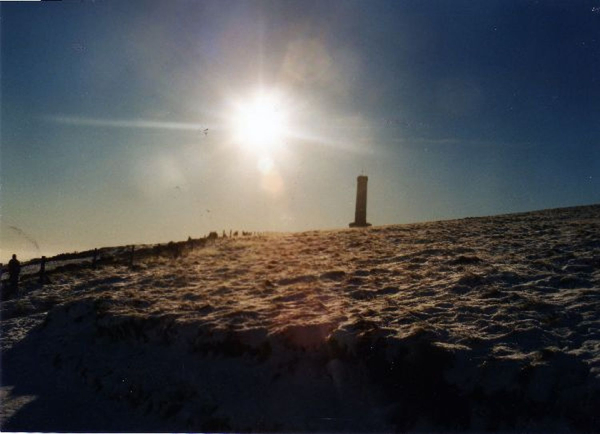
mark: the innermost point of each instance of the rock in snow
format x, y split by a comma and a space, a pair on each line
476, 324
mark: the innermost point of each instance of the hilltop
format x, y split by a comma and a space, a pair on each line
488, 323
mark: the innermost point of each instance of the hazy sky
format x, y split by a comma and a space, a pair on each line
135, 122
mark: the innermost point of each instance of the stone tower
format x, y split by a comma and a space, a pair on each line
360, 215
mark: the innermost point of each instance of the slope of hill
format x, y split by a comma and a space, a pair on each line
475, 324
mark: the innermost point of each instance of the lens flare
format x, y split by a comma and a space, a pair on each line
265, 164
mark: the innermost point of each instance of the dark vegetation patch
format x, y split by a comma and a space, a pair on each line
333, 275
465, 260
388, 290
356, 281
297, 279
460, 289
471, 280
362, 294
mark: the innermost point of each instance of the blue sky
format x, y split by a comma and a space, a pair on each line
453, 109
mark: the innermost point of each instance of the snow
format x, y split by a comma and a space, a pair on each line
477, 324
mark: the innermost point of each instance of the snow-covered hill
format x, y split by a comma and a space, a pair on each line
474, 324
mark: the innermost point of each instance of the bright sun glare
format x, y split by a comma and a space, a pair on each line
260, 123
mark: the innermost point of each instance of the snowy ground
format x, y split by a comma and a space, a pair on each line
474, 324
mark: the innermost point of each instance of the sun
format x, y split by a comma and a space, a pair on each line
260, 123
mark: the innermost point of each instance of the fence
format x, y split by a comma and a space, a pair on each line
128, 255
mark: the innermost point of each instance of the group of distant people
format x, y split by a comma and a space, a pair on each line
14, 269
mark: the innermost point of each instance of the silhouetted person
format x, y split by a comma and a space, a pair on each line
14, 269
43, 276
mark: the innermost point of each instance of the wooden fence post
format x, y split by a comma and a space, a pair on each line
131, 256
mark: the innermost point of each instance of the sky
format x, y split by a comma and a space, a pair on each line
144, 122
